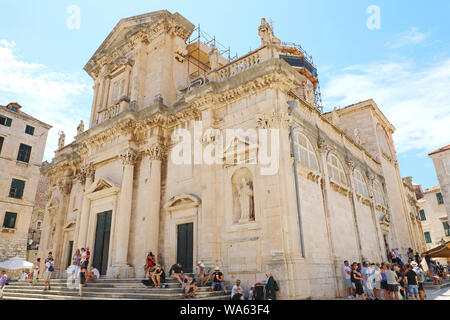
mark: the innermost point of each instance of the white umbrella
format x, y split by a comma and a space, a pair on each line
15, 263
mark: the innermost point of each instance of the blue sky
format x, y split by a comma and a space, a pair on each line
404, 66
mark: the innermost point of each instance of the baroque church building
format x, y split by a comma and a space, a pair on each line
336, 193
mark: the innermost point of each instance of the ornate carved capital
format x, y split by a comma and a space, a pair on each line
156, 152
275, 120
323, 146
128, 157
65, 185
350, 164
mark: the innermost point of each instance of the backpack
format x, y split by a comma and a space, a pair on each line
275, 285
51, 269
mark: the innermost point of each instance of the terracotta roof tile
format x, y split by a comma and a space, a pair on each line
440, 150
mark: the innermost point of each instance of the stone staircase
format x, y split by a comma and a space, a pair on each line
104, 289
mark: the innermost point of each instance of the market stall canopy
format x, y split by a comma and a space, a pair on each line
442, 251
15, 263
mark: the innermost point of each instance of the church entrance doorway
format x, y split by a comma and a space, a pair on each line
185, 246
102, 237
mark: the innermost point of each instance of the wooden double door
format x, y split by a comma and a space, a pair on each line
185, 246
102, 239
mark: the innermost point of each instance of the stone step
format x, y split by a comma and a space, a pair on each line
54, 294
90, 288
95, 284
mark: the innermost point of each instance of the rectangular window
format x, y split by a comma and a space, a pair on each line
10, 220
29, 130
439, 198
422, 215
24, 153
446, 228
427, 237
5, 121
17, 187
1, 143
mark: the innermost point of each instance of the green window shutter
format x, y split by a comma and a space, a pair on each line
446, 228
439, 198
427, 237
24, 153
17, 187
10, 220
1, 143
29, 130
422, 215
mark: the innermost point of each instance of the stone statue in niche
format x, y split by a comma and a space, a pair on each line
243, 196
246, 200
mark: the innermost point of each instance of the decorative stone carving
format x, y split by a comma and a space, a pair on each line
128, 157
357, 136
158, 99
275, 120
65, 185
80, 128
351, 164
265, 32
180, 54
211, 135
61, 140
87, 171
323, 146
157, 152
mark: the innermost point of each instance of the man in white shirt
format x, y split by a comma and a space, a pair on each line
49, 267
346, 271
237, 290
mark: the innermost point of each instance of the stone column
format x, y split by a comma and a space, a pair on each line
120, 267
87, 177
156, 153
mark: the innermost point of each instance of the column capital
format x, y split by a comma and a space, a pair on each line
128, 157
156, 152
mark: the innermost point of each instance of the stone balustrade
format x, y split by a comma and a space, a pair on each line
244, 63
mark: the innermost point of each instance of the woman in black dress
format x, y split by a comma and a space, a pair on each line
357, 279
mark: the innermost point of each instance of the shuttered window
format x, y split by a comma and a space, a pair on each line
17, 187
29, 130
446, 228
427, 237
24, 153
1, 143
422, 215
10, 220
439, 198
5, 121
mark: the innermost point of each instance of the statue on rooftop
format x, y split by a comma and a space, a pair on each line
80, 128
265, 31
61, 140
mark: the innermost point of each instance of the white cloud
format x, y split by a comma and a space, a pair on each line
411, 37
44, 94
416, 100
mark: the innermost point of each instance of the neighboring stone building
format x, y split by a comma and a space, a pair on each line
120, 189
22, 144
441, 161
435, 223
37, 218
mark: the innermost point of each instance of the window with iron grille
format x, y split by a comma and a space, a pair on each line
24, 153
10, 220
16, 190
439, 198
422, 215
5, 121
427, 237
29, 130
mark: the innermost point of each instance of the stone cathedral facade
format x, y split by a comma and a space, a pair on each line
117, 189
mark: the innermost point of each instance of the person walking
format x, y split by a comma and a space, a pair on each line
392, 282
3, 278
357, 280
420, 279
49, 268
412, 281
271, 287
36, 268
346, 271
82, 277
384, 284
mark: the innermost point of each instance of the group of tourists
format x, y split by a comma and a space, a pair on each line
80, 262
392, 279
201, 278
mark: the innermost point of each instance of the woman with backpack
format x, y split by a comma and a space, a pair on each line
49, 268
271, 287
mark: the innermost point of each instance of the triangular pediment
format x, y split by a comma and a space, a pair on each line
240, 150
127, 27
101, 184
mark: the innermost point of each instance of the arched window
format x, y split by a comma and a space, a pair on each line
305, 152
360, 185
378, 193
335, 170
